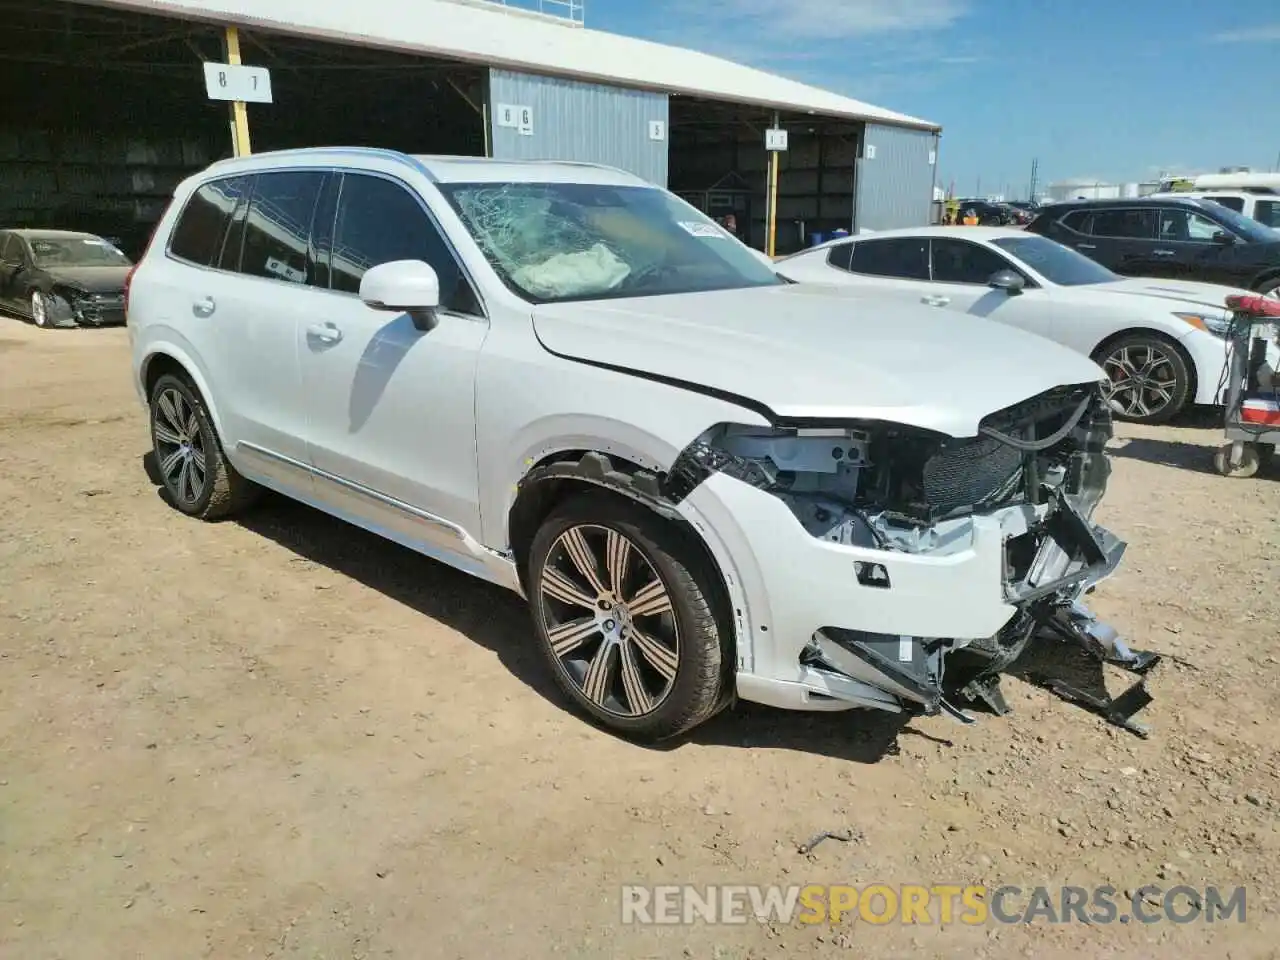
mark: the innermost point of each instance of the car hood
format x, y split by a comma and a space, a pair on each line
1180, 291
90, 279
811, 352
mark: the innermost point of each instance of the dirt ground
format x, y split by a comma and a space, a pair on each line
282, 737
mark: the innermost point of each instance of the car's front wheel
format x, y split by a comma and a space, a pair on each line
196, 475
39, 308
623, 605
1147, 378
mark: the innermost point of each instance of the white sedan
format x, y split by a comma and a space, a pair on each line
1159, 341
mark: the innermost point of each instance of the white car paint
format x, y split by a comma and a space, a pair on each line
1080, 317
427, 424
776, 346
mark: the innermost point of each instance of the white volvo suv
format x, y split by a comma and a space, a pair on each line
707, 481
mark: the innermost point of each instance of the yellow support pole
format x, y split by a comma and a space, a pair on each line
771, 204
239, 111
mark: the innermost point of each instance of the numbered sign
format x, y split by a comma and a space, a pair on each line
657, 130
227, 81
775, 140
869, 153
507, 115
525, 124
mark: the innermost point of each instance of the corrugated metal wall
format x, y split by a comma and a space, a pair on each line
895, 178
569, 120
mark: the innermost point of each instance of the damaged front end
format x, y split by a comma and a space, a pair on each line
72, 305
1037, 469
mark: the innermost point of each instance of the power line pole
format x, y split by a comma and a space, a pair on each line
1035, 169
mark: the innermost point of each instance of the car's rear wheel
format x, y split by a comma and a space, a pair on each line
192, 467
623, 605
1147, 378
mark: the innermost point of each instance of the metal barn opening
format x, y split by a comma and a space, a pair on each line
106, 111
718, 162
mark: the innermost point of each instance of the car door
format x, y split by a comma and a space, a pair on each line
7, 270
960, 273
14, 265
247, 309
392, 427
1201, 248
1124, 240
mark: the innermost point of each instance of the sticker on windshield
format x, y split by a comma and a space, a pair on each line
708, 230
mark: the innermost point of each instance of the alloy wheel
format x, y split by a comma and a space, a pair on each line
609, 620
39, 309
1141, 379
180, 446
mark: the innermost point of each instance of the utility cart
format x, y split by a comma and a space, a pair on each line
1253, 386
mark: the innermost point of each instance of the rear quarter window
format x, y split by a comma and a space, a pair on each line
202, 226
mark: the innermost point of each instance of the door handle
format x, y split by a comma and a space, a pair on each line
935, 301
324, 332
205, 307
1163, 253
1086, 246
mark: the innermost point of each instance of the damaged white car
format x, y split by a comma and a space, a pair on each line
708, 482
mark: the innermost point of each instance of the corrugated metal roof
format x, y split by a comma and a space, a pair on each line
530, 43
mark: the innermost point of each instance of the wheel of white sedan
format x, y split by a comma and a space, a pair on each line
623, 607
1147, 378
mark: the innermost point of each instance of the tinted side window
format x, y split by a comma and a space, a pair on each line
840, 255
903, 258
1183, 225
380, 221
278, 231
1231, 203
322, 230
1267, 212
1125, 224
956, 261
202, 225
9, 250
1079, 220
233, 241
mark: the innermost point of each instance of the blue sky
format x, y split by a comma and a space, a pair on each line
1114, 89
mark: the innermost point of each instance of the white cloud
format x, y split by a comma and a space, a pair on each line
1263, 33
829, 19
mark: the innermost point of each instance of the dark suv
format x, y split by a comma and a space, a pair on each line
1182, 239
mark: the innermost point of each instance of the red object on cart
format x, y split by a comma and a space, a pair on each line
1254, 305
1262, 412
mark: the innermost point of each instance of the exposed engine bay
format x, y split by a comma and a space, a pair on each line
1040, 467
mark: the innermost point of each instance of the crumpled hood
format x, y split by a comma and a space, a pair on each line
1181, 291
809, 352
90, 279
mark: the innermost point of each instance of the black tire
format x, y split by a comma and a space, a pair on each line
702, 654
1170, 373
221, 491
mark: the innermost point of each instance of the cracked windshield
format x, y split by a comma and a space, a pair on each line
574, 241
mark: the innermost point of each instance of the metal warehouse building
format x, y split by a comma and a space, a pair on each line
105, 108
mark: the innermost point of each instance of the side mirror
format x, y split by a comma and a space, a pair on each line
1008, 281
403, 286
1224, 238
